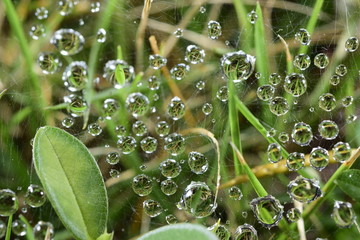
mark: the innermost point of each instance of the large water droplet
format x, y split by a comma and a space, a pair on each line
75, 76
302, 134
237, 66
194, 54
42, 229
170, 168
176, 108
48, 62
274, 79
245, 232
265, 92
139, 128
35, 196
214, 29
94, 129
327, 102
343, 214
293, 214
341, 152
319, 158
220, 231
174, 144
110, 72
112, 158
321, 60
168, 187
274, 153
9, 203
142, 185
19, 228
303, 36
304, 190
152, 208
76, 105
162, 128
302, 61
295, 84
198, 163
68, 41
268, 210
156, 61
341, 70
235, 193
279, 106
137, 104
295, 161
149, 144
352, 44
328, 129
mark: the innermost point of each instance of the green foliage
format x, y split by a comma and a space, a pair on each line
184, 231
72, 181
349, 182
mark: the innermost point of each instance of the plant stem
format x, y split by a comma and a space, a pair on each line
8, 229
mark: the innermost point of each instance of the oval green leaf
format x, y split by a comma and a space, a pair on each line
182, 231
72, 181
349, 183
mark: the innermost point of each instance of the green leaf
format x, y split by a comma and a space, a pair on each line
72, 181
183, 231
261, 48
349, 183
120, 75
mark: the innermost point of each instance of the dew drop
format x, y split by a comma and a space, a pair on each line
43, 229
112, 158
220, 231
75, 76
334, 80
274, 153
137, 104
171, 219
142, 185
237, 66
207, 108
265, 92
110, 107
162, 128
153, 83
328, 129
170, 168
295, 84
178, 32
223, 94
19, 228
352, 44
49, 62
343, 214
139, 128
295, 161
341, 152
2, 228
179, 71
9, 203
94, 129
95, 7
126, 144
152, 208
283, 137
174, 144
149, 144
194, 54
302, 134
319, 158
293, 214
302, 61
35, 196
269, 205
321, 60
274, 79
198, 200
41, 13
37, 31
245, 232
120, 131
168, 187
303, 37
347, 101
341, 70
68, 41
200, 85
110, 69
235, 193
327, 102
214, 29
176, 108
279, 106
114, 173
68, 122
101, 35
304, 190
198, 163
156, 61
252, 17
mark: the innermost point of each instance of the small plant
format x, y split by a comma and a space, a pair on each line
185, 120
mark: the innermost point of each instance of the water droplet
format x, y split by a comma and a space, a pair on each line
341, 152
214, 29
202, 9
110, 72
321, 60
35, 196
9, 203
94, 129
178, 32
68, 41
303, 36
274, 153
268, 210
137, 104
65, 7
200, 85
347, 101
343, 214
302, 61
120, 131
168, 187
41, 13
295, 161
334, 80
110, 106
319, 158
75, 76
295, 84
156, 61
304, 190
179, 71
112, 158
302, 134
126, 144
170, 168
283, 137
328, 129
351, 118
37, 31
176, 108
41, 229
68, 122
171, 219
198, 200
265, 92
223, 94
245, 232
271, 132
153, 83
162, 128
2, 229
101, 35
220, 231
48, 62
252, 17
152, 208
327, 102
139, 128
149, 144
207, 108
198, 163
352, 44
235, 193
293, 214
114, 173
237, 66
19, 228
279, 106
341, 70
274, 79
142, 185
194, 54
95, 7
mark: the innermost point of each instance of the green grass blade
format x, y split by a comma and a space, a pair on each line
261, 48
310, 27
8, 229
120, 75
29, 229
245, 25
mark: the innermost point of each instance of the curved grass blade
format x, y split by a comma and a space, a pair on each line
72, 181
183, 231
